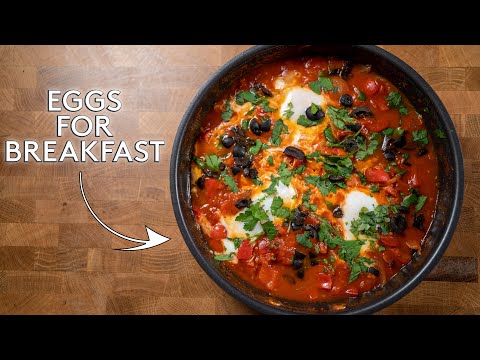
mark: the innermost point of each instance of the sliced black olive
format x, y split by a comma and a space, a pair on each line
344, 71
418, 221
297, 264
350, 145
235, 169
388, 143
312, 255
243, 203
313, 234
221, 166
346, 100
338, 212
373, 271
398, 223
211, 173
361, 112
228, 142
335, 178
296, 227
389, 155
294, 152
354, 127
315, 262
407, 163
246, 172
265, 125
403, 209
237, 130
422, 152
300, 273
263, 89
239, 151
401, 141
243, 162
299, 255
309, 227
201, 182
253, 173
320, 114
255, 127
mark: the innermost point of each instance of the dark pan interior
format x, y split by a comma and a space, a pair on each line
425, 101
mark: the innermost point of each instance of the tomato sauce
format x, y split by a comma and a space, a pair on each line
287, 258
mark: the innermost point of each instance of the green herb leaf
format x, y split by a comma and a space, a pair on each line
252, 216
323, 83
288, 112
369, 223
248, 96
245, 124
200, 163
265, 106
303, 121
269, 229
395, 102
213, 162
313, 109
420, 136
270, 160
375, 188
230, 182
409, 200
381, 248
440, 134
236, 241
278, 209
254, 150
278, 129
339, 117
223, 257
361, 96
329, 135
372, 146
286, 174
227, 114
273, 185
421, 201
304, 240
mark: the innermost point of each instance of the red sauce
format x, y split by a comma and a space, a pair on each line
320, 272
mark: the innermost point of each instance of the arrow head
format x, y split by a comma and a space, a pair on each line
154, 239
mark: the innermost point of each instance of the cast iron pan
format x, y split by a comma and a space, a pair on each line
420, 95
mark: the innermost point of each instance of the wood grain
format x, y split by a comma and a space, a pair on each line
54, 257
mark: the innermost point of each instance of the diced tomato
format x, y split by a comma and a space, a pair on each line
322, 248
245, 251
212, 186
218, 232
390, 190
324, 281
354, 181
333, 151
371, 87
352, 291
389, 240
377, 175
206, 135
268, 276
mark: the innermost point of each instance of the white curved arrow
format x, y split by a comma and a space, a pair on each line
154, 239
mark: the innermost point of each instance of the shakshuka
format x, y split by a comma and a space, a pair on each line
314, 179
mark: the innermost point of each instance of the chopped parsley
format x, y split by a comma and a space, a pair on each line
420, 137
440, 134
328, 133
229, 181
278, 209
421, 201
371, 222
286, 174
365, 151
334, 165
270, 160
254, 150
361, 96
245, 124
252, 216
223, 257
323, 83
200, 163
395, 102
339, 117
306, 201
227, 114
269, 229
375, 188
278, 129
248, 96
303, 121
409, 200
264, 102
304, 240
213, 162
236, 241
324, 185
289, 111
273, 185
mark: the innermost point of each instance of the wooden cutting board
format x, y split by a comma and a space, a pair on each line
54, 257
